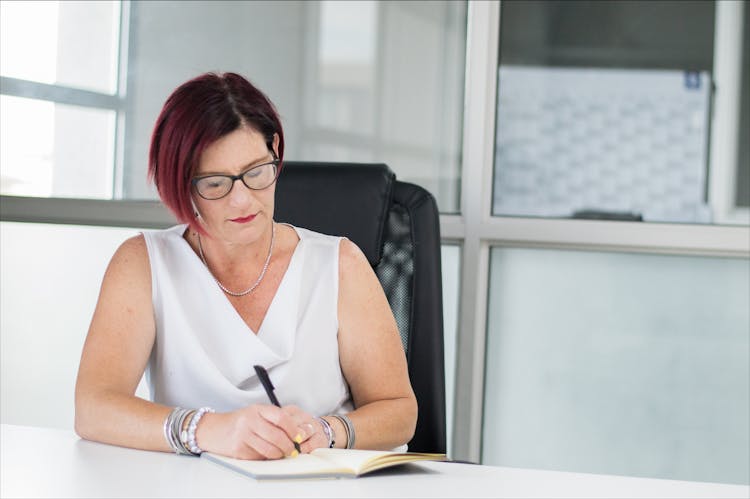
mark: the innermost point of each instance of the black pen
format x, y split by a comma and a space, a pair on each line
268, 387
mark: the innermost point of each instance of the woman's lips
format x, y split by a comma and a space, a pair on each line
243, 220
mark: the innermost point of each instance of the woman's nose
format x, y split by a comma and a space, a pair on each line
240, 193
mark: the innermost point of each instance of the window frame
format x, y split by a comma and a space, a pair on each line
724, 140
72, 96
478, 231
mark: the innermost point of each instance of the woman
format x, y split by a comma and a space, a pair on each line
198, 305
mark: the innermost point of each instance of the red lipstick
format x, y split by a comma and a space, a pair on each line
243, 220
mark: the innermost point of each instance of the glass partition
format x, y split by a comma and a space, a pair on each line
617, 363
605, 111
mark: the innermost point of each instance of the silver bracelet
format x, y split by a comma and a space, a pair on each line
349, 427
189, 434
330, 434
177, 426
172, 427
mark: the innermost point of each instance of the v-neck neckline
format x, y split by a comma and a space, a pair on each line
282, 287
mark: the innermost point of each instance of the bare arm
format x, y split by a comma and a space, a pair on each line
115, 354
372, 358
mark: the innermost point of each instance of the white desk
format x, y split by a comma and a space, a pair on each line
41, 462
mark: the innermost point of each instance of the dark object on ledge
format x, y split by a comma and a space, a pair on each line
608, 215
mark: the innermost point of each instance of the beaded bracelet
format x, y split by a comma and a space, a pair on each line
190, 442
330, 434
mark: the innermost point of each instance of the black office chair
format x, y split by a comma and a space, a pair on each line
397, 227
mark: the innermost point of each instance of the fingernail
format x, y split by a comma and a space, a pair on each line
298, 438
294, 453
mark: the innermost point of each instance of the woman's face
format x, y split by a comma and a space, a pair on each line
243, 215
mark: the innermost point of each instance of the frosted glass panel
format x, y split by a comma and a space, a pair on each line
50, 277
614, 363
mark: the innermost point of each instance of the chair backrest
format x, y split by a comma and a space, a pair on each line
396, 224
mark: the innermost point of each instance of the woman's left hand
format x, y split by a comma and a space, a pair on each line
310, 427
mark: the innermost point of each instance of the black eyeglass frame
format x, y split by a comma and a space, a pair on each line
241, 177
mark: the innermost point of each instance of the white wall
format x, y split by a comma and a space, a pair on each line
50, 283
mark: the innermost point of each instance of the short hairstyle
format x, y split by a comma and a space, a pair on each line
197, 114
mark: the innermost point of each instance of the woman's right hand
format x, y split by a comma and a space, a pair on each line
254, 432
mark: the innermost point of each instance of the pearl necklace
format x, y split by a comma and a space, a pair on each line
260, 277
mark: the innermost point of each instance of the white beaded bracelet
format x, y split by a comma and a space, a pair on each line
189, 438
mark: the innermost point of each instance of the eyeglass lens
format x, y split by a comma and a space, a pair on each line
217, 186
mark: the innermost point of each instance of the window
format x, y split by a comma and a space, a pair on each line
604, 111
508, 307
60, 102
353, 81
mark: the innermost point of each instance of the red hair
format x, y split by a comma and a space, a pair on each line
197, 114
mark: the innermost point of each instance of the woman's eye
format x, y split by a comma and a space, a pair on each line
212, 182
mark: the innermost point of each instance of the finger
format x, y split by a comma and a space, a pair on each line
305, 421
308, 430
316, 441
281, 419
293, 410
263, 447
277, 436
298, 414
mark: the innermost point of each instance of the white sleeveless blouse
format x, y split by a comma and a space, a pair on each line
204, 352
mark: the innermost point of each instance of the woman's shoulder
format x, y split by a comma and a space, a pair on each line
129, 267
352, 259
135, 252
131, 252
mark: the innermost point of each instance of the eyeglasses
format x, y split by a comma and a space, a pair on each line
256, 178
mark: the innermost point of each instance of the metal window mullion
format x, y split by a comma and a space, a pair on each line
477, 152
123, 49
675, 239
58, 94
726, 113
682, 239
96, 212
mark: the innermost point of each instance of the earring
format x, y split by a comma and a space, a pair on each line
195, 210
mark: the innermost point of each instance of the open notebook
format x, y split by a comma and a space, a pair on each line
322, 463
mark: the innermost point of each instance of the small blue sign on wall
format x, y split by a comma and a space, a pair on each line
692, 80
